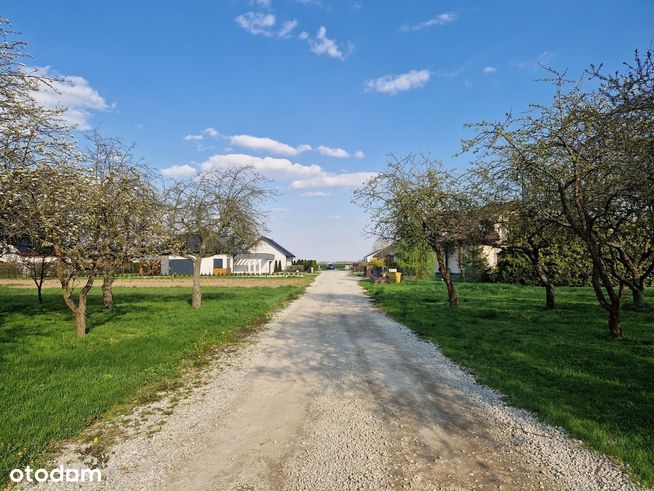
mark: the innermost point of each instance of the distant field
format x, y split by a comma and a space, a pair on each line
181, 281
52, 384
560, 364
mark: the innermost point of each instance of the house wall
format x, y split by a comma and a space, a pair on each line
180, 266
253, 266
206, 266
263, 247
490, 253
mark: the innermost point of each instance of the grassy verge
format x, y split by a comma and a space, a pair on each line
561, 365
53, 385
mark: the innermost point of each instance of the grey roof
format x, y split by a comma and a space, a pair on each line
284, 251
257, 255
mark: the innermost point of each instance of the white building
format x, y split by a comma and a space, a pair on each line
490, 253
258, 257
257, 263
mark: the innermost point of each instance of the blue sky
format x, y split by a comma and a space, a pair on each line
204, 83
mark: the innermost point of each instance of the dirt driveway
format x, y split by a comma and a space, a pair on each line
335, 395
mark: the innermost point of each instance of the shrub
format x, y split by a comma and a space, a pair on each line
475, 266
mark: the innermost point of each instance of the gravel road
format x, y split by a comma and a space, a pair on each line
335, 395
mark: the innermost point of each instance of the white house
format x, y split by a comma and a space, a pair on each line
258, 257
388, 251
257, 263
490, 253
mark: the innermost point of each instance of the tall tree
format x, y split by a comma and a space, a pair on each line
30, 134
128, 205
416, 199
579, 149
629, 117
54, 206
219, 211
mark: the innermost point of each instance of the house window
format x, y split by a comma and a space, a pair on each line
218, 263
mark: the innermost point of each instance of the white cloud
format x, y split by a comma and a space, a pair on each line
346, 180
302, 176
212, 132
287, 27
267, 145
339, 153
322, 45
439, 20
194, 138
72, 92
489, 70
272, 167
262, 3
359, 154
315, 193
392, 84
178, 171
256, 23
303, 35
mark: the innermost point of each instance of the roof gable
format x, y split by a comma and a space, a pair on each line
274, 244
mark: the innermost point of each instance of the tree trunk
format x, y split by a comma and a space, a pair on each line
615, 328
107, 291
549, 295
452, 296
79, 310
638, 295
39, 292
80, 315
543, 279
196, 301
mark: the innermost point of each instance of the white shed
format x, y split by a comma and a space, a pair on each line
217, 261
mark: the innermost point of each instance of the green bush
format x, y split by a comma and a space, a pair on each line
416, 260
475, 266
568, 264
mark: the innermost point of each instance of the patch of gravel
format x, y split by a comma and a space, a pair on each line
341, 450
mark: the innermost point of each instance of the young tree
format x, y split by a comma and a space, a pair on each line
128, 205
419, 200
53, 205
218, 211
38, 266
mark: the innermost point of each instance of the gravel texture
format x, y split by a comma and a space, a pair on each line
335, 395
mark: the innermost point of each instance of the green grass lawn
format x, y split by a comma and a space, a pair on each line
562, 365
53, 385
